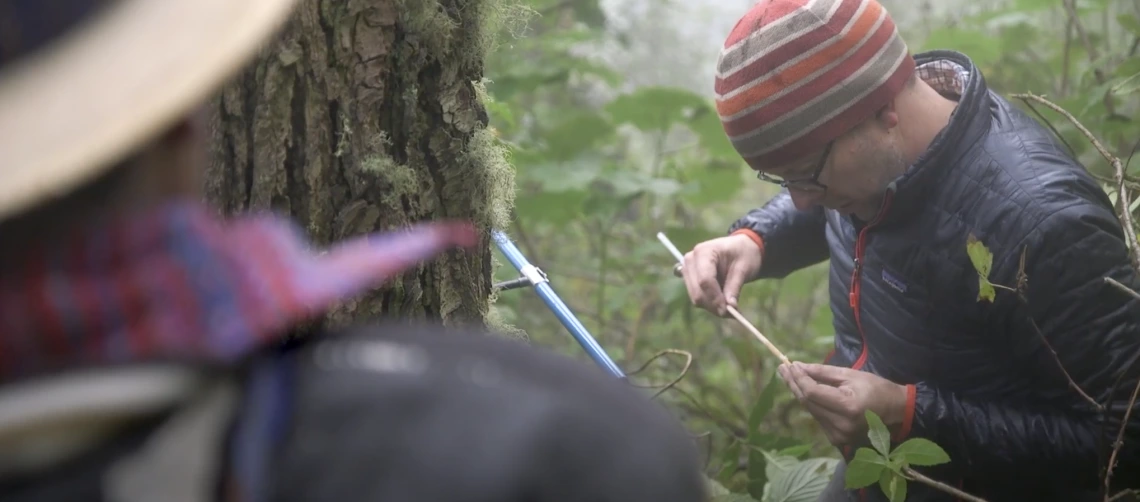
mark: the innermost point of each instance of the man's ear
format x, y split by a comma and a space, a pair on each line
888, 116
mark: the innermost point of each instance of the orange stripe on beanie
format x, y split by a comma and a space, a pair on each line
795, 74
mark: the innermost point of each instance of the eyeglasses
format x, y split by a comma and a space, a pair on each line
811, 184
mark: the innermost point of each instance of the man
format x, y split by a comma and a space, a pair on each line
891, 164
141, 338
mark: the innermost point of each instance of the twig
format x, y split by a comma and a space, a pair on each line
1021, 290
663, 388
1117, 166
914, 475
1122, 494
755, 332
1120, 436
1122, 287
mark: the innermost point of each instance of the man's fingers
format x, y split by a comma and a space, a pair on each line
820, 394
701, 281
823, 373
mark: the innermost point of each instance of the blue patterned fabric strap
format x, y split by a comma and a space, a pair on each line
261, 427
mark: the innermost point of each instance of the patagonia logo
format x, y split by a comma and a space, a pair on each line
894, 282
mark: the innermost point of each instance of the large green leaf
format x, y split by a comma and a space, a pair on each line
978, 44
865, 469
714, 182
802, 482
558, 208
920, 451
655, 108
710, 132
759, 441
878, 434
576, 134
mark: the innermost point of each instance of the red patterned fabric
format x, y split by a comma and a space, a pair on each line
181, 284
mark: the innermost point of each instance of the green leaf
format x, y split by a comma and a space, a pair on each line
557, 208
982, 259
730, 460
864, 469
710, 133
893, 485
980, 256
878, 433
795, 451
986, 290
713, 182
775, 465
1130, 23
715, 488
655, 108
920, 451
803, 482
757, 460
732, 497
576, 134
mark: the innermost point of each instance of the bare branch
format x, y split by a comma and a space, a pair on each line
1120, 437
684, 370
1122, 287
914, 475
1118, 168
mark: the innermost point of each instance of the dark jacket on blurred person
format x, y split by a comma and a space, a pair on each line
142, 355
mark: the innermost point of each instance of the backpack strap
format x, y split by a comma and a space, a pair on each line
260, 428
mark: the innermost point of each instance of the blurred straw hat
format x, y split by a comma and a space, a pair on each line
73, 108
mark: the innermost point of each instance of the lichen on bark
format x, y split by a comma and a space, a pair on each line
365, 115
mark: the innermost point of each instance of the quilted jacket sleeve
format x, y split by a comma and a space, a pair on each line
1093, 328
793, 239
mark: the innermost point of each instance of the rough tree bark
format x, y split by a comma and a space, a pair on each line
367, 115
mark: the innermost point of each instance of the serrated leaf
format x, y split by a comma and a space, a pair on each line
877, 432
803, 482
893, 485
864, 469
921, 452
775, 465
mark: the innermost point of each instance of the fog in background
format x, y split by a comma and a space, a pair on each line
675, 42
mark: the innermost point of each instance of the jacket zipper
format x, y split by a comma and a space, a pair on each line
856, 276
853, 296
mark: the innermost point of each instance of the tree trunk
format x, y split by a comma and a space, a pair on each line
367, 115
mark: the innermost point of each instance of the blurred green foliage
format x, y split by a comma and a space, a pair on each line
603, 165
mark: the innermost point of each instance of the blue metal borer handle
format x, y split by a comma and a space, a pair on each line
538, 280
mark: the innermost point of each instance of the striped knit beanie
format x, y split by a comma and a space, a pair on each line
795, 74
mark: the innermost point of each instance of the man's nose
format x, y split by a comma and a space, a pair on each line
804, 200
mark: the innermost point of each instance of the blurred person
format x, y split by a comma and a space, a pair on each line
890, 163
142, 351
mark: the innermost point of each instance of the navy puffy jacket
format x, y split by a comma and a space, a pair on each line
904, 296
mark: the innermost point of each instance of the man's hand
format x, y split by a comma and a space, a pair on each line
837, 398
729, 261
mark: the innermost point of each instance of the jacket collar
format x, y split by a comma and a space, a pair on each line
179, 284
969, 123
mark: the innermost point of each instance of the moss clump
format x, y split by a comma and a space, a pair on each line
402, 180
475, 29
485, 150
